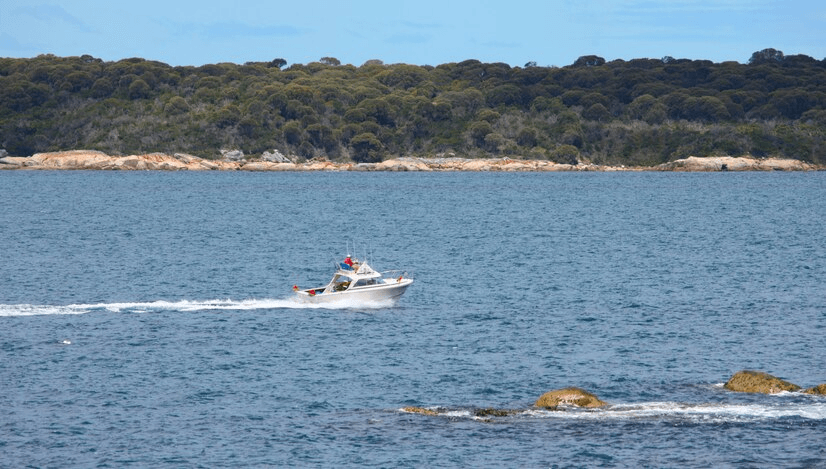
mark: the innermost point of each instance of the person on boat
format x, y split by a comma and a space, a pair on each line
348, 261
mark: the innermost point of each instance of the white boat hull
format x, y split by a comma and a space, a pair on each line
369, 294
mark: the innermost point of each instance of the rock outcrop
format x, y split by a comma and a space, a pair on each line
758, 382
820, 389
420, 410
407, 164
728, 163
492, 412
13, 162
232, 155
743, 381
96, 160
569, 396
275, 157
275, 161
482, 413
268, 166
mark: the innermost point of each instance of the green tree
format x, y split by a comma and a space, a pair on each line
277, 63
176, 105
293, 132
138, 89
766, 56
505, 95
527, 137
102, 87
479, 130
403, 76
640, 106
565, 154
366, 148
597, 112
227, 116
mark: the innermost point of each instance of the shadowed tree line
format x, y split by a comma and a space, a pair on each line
635, 112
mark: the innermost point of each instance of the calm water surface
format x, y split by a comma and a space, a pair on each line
146, 319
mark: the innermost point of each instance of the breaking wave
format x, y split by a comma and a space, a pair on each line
182, 305
813, 409
696, 413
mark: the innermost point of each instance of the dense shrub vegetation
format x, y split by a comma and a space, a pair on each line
639, 112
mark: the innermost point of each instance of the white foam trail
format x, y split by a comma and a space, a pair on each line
38, 310
183, 305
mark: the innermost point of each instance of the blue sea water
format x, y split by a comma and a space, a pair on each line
146, 319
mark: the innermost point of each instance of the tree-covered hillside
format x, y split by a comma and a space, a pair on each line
636, 112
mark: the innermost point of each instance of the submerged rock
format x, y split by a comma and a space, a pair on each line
420, 410
486, 412
819, 389
758, 382
491, 412
569, 396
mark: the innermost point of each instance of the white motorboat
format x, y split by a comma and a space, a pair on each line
355, 280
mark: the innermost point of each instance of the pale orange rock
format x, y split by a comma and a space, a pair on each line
569, 396
96, 160
729, 163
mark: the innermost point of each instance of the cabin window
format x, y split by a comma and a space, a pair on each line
365, 282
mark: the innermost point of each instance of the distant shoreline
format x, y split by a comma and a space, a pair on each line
95, 160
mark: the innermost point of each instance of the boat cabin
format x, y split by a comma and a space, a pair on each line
357, 276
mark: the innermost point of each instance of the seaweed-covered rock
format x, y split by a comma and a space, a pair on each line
819, 389
485, 412
420, 410
491, 412
758, 382
569, 396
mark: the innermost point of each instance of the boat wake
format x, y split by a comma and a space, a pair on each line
183, 305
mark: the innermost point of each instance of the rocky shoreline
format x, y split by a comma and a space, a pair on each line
96, 160
745, 381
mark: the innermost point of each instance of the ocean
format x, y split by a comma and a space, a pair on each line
147, 319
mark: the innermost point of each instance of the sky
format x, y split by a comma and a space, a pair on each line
421, 32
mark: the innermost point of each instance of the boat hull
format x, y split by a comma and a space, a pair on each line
368, 294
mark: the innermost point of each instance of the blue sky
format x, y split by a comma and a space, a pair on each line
424, 32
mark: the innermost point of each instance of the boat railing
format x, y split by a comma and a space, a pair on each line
397, 273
